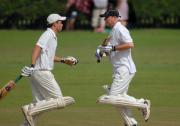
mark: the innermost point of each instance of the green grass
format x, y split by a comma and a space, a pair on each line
156, 55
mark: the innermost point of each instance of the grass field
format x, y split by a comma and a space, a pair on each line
156, 55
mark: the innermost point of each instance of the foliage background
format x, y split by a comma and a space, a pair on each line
32, 13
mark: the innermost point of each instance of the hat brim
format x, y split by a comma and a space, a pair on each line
102, 15
62, 19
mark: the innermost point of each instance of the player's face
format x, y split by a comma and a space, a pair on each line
110, 21
59, 26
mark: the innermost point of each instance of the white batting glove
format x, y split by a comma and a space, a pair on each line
69, 60
107, 49
27, 71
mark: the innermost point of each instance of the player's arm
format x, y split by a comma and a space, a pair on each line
124, 46
28, 70
125, 40
35, 54
69, 60
58, 59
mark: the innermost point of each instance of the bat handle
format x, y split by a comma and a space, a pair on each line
18, 78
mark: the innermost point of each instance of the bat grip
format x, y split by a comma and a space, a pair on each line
18, 78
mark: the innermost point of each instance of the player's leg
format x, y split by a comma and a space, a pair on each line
46, 84
26, 123
48, 88
94, 21
127, 116
46, 105
121, 81
102, 21
127, 101
120, 86
118, 90
117, 94
36, 97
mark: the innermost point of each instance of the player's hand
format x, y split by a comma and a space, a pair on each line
106, 49
69, 60
27, 71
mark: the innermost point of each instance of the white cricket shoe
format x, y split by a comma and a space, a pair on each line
28, 117
146, 111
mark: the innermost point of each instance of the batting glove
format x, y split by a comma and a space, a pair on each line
69, 60
27, 71
98, 55
107, 49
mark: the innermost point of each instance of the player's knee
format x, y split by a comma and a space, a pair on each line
65, 101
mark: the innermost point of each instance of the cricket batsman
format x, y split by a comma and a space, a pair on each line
46, 92
124, 69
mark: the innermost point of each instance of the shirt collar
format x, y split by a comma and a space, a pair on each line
53, 33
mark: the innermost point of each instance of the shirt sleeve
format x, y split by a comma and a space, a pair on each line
124, 35
43, 39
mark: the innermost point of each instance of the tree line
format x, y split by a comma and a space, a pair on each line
32, 13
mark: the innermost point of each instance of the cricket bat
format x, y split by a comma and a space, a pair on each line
106, 41
9, 86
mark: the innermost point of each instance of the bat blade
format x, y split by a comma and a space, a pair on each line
9, 86
6, 89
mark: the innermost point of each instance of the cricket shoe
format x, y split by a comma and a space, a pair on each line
146, 111
28, 117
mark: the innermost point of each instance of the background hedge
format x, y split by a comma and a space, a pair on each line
32, 13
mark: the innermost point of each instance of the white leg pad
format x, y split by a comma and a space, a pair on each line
121, 100
49, 104
68, 100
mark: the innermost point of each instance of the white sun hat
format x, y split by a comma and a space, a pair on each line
55, 17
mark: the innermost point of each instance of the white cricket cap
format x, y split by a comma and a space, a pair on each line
55, 17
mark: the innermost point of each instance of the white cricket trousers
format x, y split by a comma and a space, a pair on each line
44, 86
121, 80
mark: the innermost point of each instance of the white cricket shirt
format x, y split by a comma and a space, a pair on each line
120, 35
48, 43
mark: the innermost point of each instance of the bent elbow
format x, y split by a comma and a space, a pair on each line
131, 45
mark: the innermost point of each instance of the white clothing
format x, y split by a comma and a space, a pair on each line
119, 88
48, 43
100, 7
100, 3
127, 115
120, 35
123, 9
43, 83
123, 71
96, 20
121, 81
44, 86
